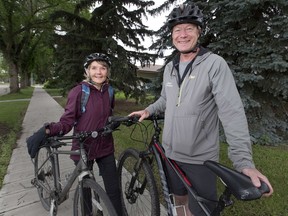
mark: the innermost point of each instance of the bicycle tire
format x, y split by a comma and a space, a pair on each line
136, 203
100, 203
44, 176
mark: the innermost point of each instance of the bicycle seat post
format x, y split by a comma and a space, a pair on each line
224, 201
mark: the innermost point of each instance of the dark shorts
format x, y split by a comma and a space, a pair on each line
203, 182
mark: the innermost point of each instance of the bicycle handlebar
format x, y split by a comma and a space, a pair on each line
134, 119
55, 141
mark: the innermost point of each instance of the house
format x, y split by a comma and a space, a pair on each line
150, 72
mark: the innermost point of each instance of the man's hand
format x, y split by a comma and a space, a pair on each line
256, 176
142, 113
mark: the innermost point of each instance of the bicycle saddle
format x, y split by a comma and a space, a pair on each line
239, 184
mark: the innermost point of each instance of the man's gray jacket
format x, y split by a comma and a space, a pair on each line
193, 110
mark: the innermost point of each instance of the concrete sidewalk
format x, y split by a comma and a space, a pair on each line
17, 196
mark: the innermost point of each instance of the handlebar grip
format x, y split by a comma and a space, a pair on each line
123, 119
118, 118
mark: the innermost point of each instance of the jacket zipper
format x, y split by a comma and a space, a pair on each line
180, 92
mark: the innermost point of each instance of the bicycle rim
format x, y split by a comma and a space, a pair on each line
137, 200
44, 176
94, 200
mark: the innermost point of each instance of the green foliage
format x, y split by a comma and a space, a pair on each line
252, 37
112, 27
52, 83
23, 33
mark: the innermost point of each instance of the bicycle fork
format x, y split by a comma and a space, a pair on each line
132, 190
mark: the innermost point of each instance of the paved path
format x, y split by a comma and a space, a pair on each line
17, 196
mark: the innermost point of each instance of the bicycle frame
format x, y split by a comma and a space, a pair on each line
80, 171
160, 157
155, 149
60, 194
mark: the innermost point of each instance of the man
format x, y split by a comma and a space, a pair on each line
199, 89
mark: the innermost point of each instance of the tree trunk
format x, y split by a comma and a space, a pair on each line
13, 78
24, 81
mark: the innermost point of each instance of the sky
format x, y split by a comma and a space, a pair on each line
155, 23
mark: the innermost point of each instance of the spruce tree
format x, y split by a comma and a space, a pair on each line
111, 27
252, 36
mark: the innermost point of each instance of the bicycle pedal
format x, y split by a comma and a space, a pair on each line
33, 181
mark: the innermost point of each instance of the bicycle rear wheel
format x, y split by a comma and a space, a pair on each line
44, 176
94, 201
138, 188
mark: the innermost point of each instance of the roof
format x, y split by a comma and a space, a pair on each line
150, 69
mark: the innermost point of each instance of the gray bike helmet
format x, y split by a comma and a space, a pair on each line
185, 13
96, 56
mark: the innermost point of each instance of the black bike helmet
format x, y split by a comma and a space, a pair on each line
96, 56
185, 13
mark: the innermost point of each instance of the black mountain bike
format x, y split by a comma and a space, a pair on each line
89, 197
139, 191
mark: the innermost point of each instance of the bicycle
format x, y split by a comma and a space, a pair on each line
138, 186
51, 189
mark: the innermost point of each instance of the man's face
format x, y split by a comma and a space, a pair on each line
185, 36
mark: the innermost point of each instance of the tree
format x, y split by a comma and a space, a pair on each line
113, 27
252, 37
21, 23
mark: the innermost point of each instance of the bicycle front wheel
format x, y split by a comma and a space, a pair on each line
90, 199
44, 176
138, 186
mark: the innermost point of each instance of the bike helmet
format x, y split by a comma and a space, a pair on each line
96, 56
185, 13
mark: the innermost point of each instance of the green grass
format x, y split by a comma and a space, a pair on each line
272, 162
54, 92
11, 118
23, 94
